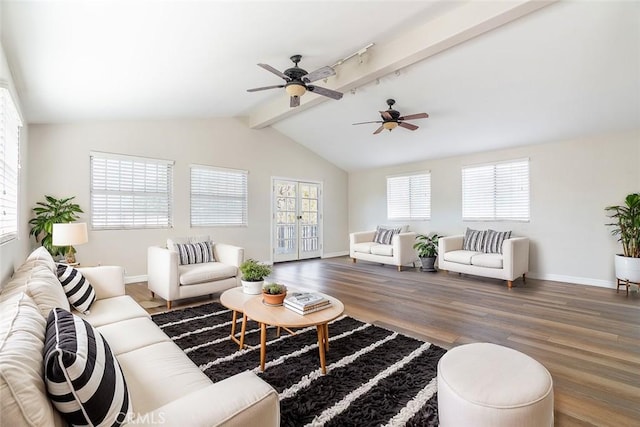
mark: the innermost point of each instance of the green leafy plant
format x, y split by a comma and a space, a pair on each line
426, 245
626, 224
52, 211
253, 271
274, 289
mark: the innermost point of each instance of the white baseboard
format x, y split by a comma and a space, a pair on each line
334, 254
573, 279
135, 279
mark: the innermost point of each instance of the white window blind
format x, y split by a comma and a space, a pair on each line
130, 192
218, 197
409, 197
498, 191
10, 125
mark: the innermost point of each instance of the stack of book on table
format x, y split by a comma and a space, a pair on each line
305, 302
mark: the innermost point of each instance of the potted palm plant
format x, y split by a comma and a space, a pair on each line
253, 274
52, 211
626, 225
427, 248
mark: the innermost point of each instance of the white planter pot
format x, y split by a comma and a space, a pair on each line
252, 288
627, 268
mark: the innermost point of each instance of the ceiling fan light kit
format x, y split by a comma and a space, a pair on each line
294, 89
391, 119
390, 125
297, 80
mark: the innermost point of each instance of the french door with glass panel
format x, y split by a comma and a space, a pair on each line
297, 218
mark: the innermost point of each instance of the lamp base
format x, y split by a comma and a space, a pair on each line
70, 256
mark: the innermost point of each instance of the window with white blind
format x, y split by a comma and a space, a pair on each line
409, 197
218, 196
130, 192
498, 191
10, 125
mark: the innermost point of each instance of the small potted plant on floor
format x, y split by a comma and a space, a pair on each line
253, 274
626, 225
427, 248
274, 293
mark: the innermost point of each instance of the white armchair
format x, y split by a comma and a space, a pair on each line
172, 281
400, 252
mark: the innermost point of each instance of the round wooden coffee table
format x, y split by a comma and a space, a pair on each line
283, 317
234, 300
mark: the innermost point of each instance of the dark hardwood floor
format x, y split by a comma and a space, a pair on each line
587, 337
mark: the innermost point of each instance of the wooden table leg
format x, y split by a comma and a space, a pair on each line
233, 329
321, 347
234, 319
263, 345
326, 337
242, 330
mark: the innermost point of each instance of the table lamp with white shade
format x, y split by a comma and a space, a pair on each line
69, 234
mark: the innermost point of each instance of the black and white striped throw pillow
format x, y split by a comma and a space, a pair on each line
473, 240
195, 253
83, 378
493, 241
79, 291
384, 235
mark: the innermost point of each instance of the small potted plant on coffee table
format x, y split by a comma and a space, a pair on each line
427, 248
253, 274
274, 293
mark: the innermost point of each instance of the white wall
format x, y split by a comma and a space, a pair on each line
13, 253
571, 183
59, 166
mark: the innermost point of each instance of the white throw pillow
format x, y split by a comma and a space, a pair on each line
24, 397
41, 254
47, 292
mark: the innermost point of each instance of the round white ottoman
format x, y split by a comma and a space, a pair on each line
486, 384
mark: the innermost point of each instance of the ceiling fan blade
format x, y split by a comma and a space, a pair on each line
378, 130
386, 115
319, 74
273, 70
362, 123
325, 92
414, 116
294, 102
407, 126
264, 88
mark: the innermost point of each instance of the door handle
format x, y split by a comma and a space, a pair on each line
299, 216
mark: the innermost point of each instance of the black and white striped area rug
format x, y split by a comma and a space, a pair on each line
374, 376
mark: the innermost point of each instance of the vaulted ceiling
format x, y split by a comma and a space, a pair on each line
490, 74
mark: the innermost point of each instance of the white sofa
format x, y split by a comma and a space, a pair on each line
512, 263
164, 384
400, 252
172, 281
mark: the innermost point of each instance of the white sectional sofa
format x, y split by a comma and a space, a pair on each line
164, 385
174, 281
512, 263
400, 252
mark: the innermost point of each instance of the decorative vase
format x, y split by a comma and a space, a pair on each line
252, 288
273, 299
627, 268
